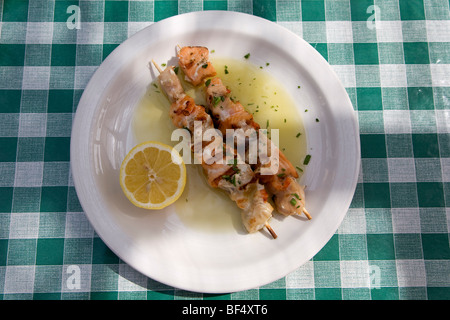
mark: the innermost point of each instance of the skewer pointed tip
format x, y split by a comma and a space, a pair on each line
156, 66
307, 213
272, 233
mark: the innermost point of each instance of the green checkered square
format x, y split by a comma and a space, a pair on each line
60, 10
373, 146
377, 195
412, 9
10, 101
49, 251
57, 149
63, 54
116, 11
53, 199
416, 53
359, 9
60, 101
265, 9
15, 11
313, 10
12, 54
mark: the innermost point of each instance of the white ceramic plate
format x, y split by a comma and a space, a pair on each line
159, 245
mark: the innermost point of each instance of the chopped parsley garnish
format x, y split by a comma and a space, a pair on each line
298, 135
205, 66
307, 159
247, 56
293, 201
175, 70
208, 82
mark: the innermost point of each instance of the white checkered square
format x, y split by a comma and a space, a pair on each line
355, 274
39, 32
389, 31
405, 220
438, 30
401, 170
346, 73
29, 174
354, 222
397, 121
19, 279
363, 34
76, 278
423, 121
443, 121
440, 75
36, 78
303, 277
445, 163
24, 225
294, 26
90, 33
339, 32
393, 75
134, 27
411, 273
32, 124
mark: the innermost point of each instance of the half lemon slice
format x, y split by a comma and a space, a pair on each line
153, 175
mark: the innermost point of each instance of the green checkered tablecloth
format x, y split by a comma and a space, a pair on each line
393, 57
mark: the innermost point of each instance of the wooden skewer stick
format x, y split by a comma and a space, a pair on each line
269, 228
157, 67
307, 213
272, 233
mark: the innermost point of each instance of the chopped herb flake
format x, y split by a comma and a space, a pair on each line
298, 135
307, 159
175, 70
293, 201
208, 82
247, 56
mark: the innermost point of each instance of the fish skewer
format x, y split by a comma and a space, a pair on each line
289, 196
237, 180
